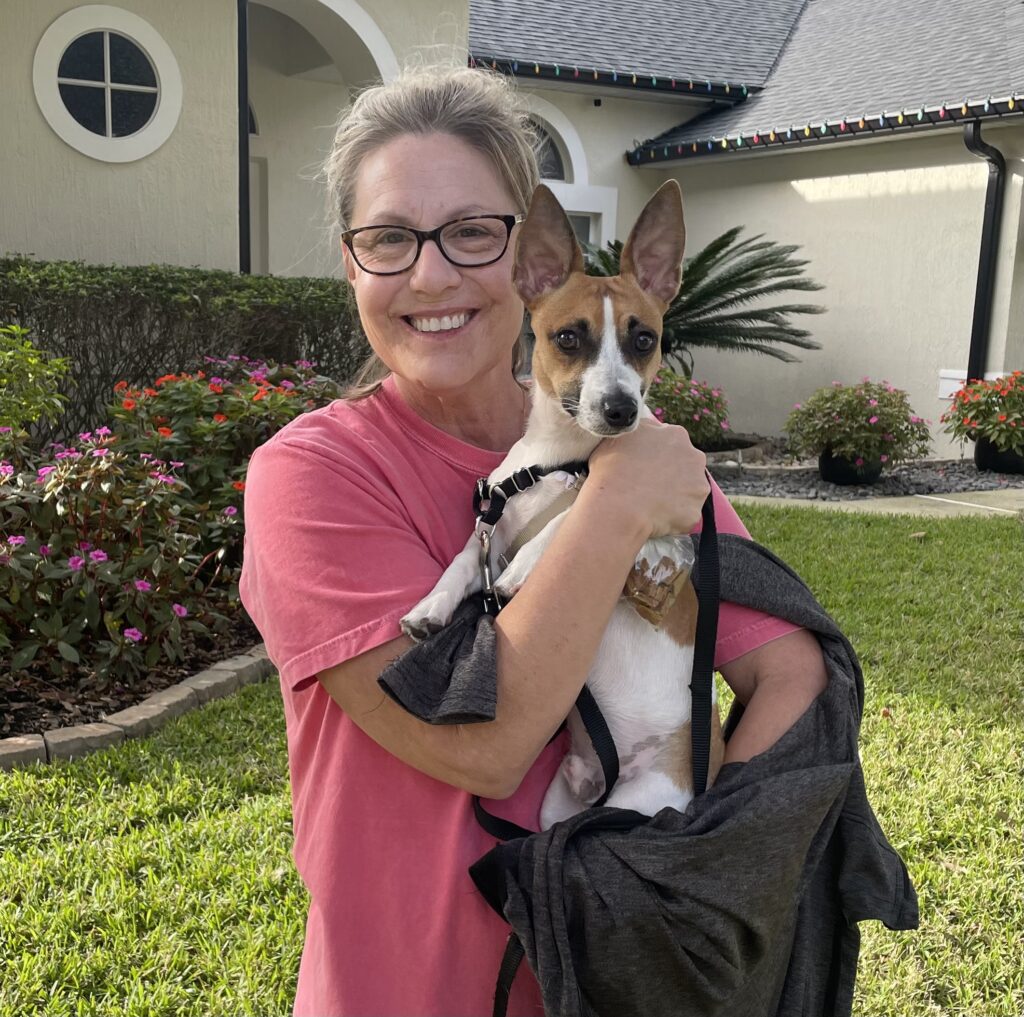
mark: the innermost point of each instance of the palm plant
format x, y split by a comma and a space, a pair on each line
712, 309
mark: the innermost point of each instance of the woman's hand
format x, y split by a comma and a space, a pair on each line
654, 472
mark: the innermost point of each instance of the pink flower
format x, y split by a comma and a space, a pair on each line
103, 431
133, 634
98, 556
872, 402
15, 541
101, 451
179, 610
44, 471
231, 511
75, 563
659, 412
44, 550
725, 425
5, 430
884, 458
84, 545
85, 436
142, 586
796, 406
872, 420
858, 462
6, 469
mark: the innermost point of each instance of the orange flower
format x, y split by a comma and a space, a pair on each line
239, 485
166, 377
259, 395
165, 431
216, 388
151, 391
120, 386
128, 404
219, 417
1002, 417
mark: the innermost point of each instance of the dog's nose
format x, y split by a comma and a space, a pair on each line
619, 411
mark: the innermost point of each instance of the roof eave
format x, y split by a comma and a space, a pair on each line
846, 129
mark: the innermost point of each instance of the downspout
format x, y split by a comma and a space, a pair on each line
981, 325
244, 249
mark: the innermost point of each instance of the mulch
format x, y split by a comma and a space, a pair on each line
31, 703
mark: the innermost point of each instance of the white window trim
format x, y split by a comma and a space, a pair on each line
580, 196
99, 18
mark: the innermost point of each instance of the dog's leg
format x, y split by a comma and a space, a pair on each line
648, 793
559, 801
459, 580
512, 579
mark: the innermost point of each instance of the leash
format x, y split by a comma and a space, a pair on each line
489, 503
707, 583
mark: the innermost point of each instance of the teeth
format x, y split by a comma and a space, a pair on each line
439, 324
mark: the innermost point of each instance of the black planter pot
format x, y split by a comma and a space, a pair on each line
988, 457
840, 470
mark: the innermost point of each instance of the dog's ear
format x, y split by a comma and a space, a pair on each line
653, 254
546, 251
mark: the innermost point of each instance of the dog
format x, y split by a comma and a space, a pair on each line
598, 348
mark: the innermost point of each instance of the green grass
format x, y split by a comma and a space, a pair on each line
155, 878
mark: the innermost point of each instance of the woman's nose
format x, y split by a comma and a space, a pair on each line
433, 272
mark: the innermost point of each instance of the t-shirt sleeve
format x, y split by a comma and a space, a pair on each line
330, 562
740, 629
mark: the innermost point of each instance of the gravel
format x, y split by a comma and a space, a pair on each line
803, 481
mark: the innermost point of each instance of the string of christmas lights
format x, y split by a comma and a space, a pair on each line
730, 91
944, 115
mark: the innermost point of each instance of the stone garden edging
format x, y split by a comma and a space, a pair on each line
144, 718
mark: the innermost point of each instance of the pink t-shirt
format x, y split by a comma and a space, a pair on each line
352, 512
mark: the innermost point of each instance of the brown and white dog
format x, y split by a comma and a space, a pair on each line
597, 351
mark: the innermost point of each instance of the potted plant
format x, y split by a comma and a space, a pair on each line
695, 405
857, 430
991, 414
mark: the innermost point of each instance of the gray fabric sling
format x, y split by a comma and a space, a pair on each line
744, 905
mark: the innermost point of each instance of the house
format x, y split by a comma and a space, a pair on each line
865, 131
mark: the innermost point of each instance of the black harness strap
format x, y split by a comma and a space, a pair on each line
701, 685
497, 495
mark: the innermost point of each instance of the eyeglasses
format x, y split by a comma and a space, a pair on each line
469, 243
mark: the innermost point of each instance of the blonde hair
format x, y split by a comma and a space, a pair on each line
479, 107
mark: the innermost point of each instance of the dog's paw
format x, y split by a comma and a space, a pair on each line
429, 616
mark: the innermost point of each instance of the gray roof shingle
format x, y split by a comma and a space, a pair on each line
720, 40
851, 57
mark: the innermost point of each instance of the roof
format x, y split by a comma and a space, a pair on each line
851, 58
719, 40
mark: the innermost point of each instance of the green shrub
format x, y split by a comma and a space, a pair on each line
137, 322
117, 549
695, 405
28, 380
865, 423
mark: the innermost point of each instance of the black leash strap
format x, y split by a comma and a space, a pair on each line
701, 677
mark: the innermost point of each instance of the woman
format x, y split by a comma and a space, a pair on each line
352, 513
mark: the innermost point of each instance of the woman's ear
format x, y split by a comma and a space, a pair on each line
350, 262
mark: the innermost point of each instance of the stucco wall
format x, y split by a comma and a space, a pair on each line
176, 205
893, 231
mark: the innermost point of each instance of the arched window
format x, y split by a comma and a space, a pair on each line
549, 158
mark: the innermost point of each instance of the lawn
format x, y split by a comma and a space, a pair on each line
155, 878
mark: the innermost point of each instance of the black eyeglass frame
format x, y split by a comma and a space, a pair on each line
422, 236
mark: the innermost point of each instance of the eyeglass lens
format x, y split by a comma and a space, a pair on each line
467, 242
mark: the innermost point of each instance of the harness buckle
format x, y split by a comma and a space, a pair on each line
491, 602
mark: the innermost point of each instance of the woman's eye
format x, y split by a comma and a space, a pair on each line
644, 342
567, 339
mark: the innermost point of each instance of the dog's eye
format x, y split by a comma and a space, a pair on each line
567, 339
644, 342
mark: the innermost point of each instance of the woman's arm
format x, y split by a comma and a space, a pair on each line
775, 683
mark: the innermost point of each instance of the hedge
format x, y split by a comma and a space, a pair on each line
133, 323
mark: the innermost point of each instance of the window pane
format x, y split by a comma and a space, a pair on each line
87, 105
83, 58
128, 64
130, 111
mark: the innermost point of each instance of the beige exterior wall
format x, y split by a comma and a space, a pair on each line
176, 205
893, 231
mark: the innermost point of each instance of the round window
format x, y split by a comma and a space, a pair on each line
107, 83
